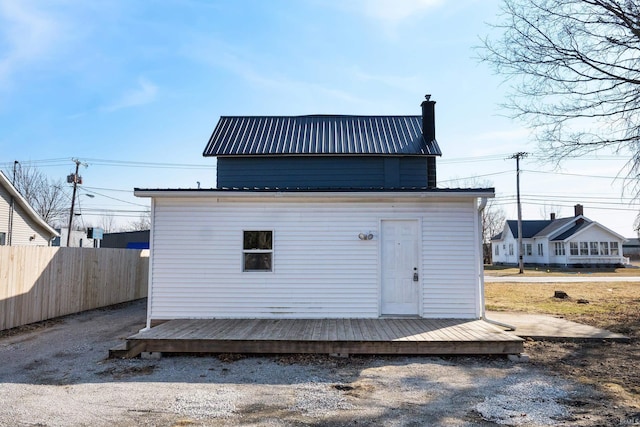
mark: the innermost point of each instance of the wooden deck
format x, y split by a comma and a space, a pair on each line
328, 336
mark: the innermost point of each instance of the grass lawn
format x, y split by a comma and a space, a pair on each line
613, 305
501, 270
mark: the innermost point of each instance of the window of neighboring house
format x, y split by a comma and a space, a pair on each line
540, 249
510, 248
497, 249
559, 248
528, 249
604, 248
613, 246
257, 251
593, 248
573, 248
3, 239
584, 248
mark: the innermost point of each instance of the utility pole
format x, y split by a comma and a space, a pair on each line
12, 205
519, 156
75, 179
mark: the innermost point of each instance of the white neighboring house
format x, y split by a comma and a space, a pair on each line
20, 224
78, 239
572, 241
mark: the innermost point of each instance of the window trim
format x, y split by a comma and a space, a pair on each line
584, 246
611, 249
574, 247
257, 251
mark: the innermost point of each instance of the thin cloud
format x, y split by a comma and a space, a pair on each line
144, 93
224, 56
26, 34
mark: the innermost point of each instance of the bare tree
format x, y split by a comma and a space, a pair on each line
547, 209
142, 223
493, 217
107, 223
574, 69
46, 197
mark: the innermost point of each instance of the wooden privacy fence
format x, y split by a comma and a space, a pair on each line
39, 283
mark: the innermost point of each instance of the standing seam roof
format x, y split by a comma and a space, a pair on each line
318, 134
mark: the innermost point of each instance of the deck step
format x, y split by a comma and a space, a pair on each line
127, 350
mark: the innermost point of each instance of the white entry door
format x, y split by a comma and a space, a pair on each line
400, 269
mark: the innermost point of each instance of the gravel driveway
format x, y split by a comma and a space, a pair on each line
56, 374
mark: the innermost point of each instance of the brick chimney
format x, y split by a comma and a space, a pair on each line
429, 134
578, 210
553, 216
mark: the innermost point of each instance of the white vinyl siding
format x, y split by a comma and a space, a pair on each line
25, 232
321, 268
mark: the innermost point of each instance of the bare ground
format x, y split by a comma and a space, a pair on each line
56, 374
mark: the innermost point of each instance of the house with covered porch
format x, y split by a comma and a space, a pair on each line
573, 241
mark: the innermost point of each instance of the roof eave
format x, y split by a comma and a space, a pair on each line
26, 206
319, 194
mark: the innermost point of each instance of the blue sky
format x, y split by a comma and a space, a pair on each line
135, 88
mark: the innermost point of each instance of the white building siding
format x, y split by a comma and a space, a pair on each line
25, 231
450, 250
320, 266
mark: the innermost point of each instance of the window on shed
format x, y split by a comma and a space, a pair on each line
559, 248
257, 251
604, 248
3, 239
614, 248
584, 248
540, 249
573, 248
593, 248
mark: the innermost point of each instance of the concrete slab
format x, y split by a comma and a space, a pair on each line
545, 327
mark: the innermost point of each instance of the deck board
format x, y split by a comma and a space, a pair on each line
357, 336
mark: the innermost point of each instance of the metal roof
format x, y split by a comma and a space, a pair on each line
320, 135
573, 230
543, 227
529, 227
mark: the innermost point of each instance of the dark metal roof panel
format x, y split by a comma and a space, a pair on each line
570, 232
320, 135
554, 226
529, 227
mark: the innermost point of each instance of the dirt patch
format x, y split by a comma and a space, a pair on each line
610, 367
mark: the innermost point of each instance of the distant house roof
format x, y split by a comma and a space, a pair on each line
541, 228
529, 228
573, 230
37, 219
320, 135
554, 225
